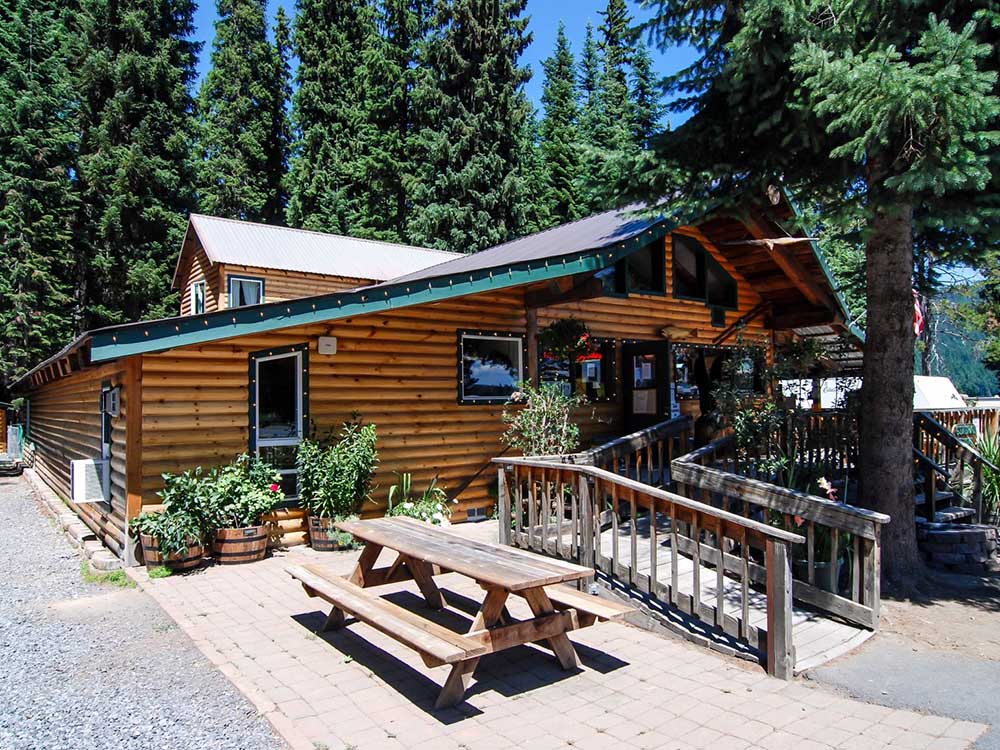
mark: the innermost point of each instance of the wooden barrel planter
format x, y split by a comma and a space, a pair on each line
323, 536
237, 546
153, 558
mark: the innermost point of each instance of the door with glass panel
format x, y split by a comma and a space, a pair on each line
278, 411
646, 375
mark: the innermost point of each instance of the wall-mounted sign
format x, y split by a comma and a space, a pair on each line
327, 345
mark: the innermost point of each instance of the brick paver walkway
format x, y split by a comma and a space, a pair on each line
357, 688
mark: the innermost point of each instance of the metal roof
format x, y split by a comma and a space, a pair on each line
592, 233
247, 243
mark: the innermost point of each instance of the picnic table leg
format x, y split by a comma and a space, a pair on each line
367, 560
424, 576
461, 674
560, 644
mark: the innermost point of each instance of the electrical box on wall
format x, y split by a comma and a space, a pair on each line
327, 345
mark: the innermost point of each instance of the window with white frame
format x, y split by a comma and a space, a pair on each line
490, 367
198, 298
278, 412
245, 290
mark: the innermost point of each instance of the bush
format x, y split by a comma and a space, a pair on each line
241, 492
188, 494
334, 480
431, 506
542, 427
175, 532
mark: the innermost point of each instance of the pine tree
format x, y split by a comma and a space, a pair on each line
390, 69
242, 101
560, 134
614, 131
134, 65
881, 102
589, 76
646, 102
329, 113
279, 145
36, 200
536, 205
466, 190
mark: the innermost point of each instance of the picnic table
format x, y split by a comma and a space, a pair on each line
423, 552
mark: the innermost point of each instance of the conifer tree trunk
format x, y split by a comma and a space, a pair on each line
887, 394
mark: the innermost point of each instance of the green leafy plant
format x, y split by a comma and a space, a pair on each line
175, 532
105, 578
538, 420
334, 480
160, 571
566, 338
188, 494
988, 445
432, 505
239, 493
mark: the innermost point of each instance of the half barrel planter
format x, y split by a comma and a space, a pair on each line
323, 537
238, 546
153, 558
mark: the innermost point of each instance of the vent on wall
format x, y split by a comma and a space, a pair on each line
89, 481
476, 514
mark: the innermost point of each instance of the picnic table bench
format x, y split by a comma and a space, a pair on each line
425, 551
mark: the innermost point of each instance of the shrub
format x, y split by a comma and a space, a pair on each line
431, 506
334, 480
188, 494
542, 427
241, 492
988, 445
175, 532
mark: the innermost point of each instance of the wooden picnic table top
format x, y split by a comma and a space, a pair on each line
490, 564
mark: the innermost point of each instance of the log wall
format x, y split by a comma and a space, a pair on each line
66, 425
197, 267
284, 285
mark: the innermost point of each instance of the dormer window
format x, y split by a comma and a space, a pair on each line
700, 277
245, 290
642, 272
198, 298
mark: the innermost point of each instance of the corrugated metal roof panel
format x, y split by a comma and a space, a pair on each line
592, 233
246, 243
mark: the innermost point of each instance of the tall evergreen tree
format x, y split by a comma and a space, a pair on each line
279, 144
36, 201
329, 113
134, 65
589, 77
882, 103
646, 102
242, 101
466, 192
536, 207
390, 70
614, 131
560, 133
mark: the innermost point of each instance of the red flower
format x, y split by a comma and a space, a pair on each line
274, 487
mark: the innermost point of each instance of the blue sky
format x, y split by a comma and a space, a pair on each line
545, 16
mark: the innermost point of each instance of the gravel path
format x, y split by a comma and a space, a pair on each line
96, 666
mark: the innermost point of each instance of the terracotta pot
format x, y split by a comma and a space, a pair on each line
153, 558
237, 546
323, 536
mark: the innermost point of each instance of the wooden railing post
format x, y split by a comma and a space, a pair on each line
780, 651
503, 508
587, 523
873, 575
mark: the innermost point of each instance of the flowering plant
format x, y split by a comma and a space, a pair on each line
432, 506
241, 492
567, 338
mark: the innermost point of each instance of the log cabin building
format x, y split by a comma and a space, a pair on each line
282, 331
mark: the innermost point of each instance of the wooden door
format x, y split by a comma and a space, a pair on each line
646, 375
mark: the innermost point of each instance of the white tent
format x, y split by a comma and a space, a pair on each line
935, 393
928, 393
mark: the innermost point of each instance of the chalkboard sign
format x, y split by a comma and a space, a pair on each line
965, 431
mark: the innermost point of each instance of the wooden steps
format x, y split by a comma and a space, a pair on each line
436, 644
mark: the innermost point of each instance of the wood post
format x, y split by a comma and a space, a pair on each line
133, 448
873, 576
780, 650
503, 507
531, 336
587, 523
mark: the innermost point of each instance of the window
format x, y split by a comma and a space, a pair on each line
591, 375
198, 298
698, 276
642, 272
244, 290
278, 406
491, 367
698, 370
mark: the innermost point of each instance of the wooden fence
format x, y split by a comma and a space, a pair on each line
839, 538
985, 418
575, 511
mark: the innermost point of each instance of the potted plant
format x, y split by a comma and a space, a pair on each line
239, 494
171, 540
334, 480
431, 506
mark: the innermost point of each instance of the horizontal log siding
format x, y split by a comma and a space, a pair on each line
284, 285
66, 425
641, 317
399, 370
197, 267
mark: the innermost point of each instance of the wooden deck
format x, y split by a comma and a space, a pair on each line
817, 636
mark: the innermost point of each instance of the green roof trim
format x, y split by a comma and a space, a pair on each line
171, 333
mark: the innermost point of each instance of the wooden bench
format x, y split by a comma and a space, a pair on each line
436, 644
589, 608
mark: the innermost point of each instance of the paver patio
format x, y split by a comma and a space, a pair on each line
356, 688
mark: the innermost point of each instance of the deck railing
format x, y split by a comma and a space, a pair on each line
838, 570
717, 560
942, 457
985, 418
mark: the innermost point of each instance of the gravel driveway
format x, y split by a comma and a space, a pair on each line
89, 665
